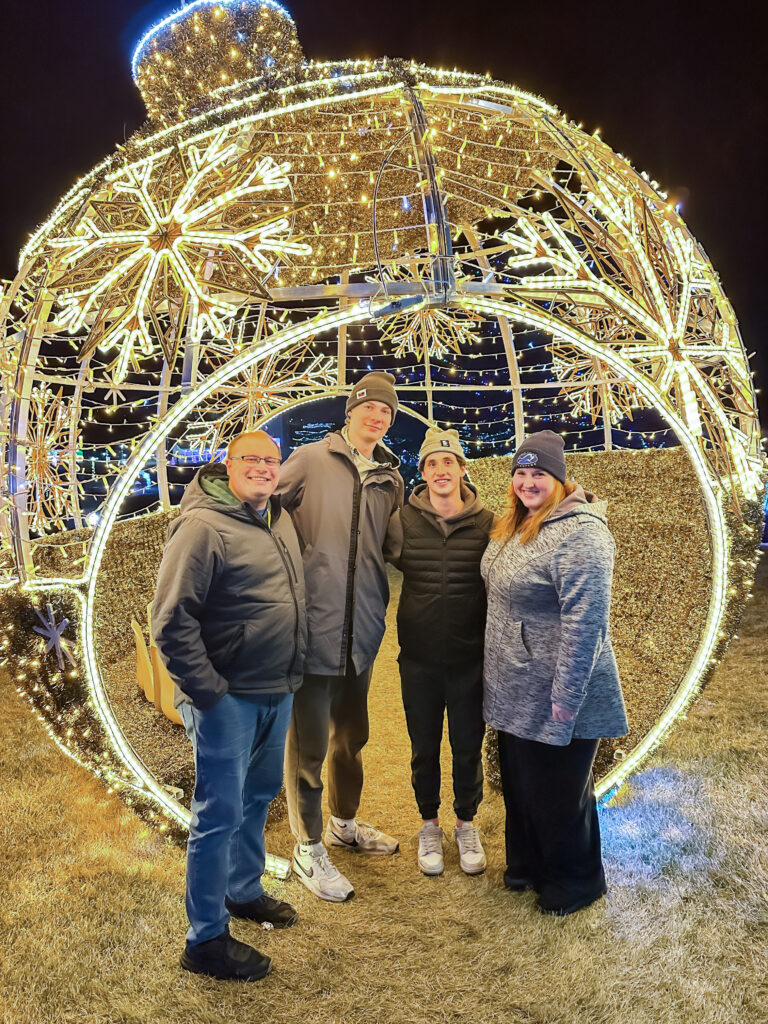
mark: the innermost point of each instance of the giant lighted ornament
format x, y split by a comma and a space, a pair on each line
277, 228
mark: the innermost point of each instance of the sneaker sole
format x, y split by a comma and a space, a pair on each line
188, 965
472, 874
328, 897
431, 874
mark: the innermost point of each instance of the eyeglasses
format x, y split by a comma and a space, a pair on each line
256, 460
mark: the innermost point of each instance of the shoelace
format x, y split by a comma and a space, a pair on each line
432, 842
326, 867
469, 838
364, 829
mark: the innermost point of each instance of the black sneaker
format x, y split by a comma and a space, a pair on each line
265, 909
227, 959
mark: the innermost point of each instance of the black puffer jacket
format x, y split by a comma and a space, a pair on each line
441, 616
228, 614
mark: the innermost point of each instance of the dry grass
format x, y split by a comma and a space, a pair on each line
92, 913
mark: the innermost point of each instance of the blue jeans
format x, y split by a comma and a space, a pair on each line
238, 746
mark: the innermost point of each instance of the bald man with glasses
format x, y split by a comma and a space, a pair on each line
229, 621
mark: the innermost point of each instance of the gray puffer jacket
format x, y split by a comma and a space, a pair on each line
228, 614
342, 523
547, 629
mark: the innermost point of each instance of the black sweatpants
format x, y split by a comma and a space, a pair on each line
552, 829
427, 691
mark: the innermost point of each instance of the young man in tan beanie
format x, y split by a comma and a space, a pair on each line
341, 493
437, 541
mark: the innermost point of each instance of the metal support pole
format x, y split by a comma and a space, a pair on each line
341, 354
509, 343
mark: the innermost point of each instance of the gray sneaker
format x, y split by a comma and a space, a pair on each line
431, 849
471, 853
315, 870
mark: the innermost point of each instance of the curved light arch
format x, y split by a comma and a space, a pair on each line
711, 491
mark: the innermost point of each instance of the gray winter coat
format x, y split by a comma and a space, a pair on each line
228, 614
342, 522
547, 631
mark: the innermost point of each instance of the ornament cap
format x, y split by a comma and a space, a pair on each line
210, 45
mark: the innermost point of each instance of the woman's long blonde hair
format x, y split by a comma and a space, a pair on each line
514, 522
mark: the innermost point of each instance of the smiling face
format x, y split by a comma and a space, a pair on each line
533, 486
253, 482
368, 423
442, 472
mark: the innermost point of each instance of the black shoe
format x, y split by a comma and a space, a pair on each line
264, 909
227, 959
587, 901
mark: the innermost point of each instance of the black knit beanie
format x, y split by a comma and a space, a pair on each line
543, 450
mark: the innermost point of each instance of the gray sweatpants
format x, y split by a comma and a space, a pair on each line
330, 716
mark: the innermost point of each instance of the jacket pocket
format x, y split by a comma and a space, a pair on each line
513, 642
224, 649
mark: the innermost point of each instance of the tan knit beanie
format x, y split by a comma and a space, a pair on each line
437, 440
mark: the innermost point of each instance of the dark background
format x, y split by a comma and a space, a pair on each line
679, 88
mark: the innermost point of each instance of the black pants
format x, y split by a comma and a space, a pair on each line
552, 830
427, 691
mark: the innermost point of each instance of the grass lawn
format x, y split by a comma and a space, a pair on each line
93, 918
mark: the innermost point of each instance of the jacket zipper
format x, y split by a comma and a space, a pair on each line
345, 652
290, 573
287, 560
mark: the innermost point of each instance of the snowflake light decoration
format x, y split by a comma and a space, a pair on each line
263, 389
593, 388
425, 332
172, 247
51, 631
47, 451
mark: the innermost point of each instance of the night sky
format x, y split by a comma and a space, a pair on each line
679, 88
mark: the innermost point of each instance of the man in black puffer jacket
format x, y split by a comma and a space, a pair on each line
229, 621
437, 541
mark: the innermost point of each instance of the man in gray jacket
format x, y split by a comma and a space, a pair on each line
341, 492
229, 621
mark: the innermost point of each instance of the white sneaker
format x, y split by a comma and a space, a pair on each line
471, 853
431, 849
315, 870
360, 837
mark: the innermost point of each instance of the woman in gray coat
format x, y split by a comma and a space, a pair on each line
551, 686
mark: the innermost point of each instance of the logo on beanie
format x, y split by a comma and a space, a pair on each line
445, 444
528, 459
361, 393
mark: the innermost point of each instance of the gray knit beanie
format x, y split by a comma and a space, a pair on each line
374, 387
437, 440
543, 450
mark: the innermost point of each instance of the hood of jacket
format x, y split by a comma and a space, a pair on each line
209, 489
419, 499
580, 503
